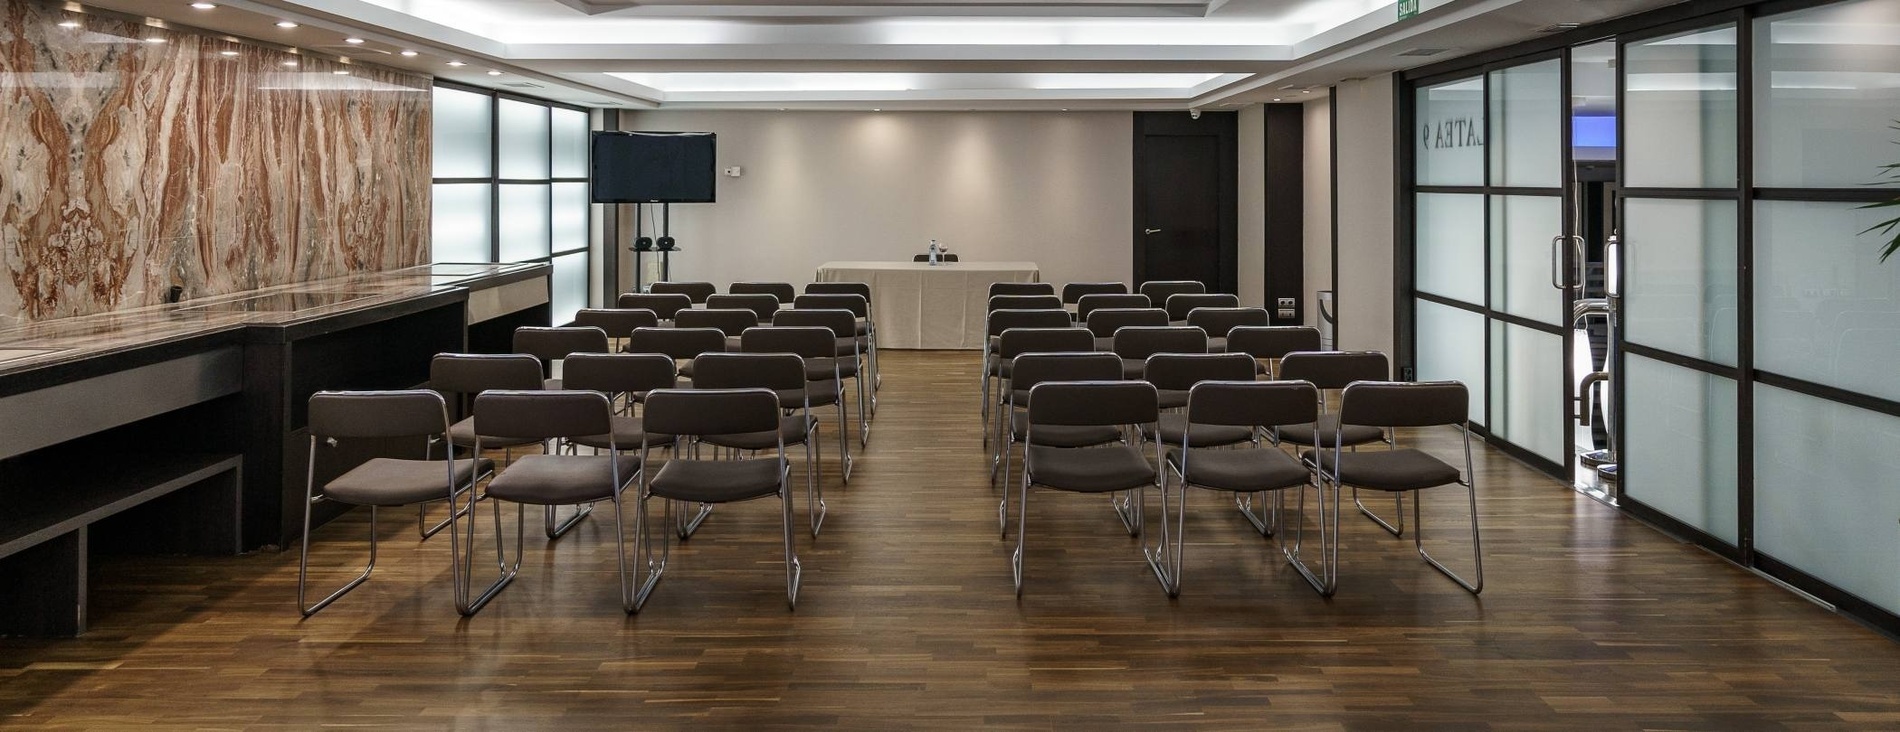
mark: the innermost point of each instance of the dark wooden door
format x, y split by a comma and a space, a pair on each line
1186, 175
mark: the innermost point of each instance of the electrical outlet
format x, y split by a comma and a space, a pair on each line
1287, 303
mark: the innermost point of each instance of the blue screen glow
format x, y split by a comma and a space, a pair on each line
1593, 132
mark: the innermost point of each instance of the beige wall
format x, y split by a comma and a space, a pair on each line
1053, 188
1252, 259
1365, 213
1317, 247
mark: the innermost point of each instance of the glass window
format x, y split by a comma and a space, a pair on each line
459, 223
463, 122
1521, 229
1679, 282
522, 140
1679, 449
1451, 347
524, 221
570, 216
1527, 109
1527, 389
569, 283
1679, 106
1827, 89
1450, 138
1450, 260
1826, 310
571, 137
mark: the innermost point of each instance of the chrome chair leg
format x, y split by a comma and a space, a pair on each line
1477, 557
1326, 579
1393, 529
844, 437
793, 571
1164, 559
1022, 527
814, 493
1263, 522
643, 533
556, 530
686, 527
468, 606
303, 565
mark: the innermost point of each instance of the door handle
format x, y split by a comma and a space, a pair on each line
1150, 231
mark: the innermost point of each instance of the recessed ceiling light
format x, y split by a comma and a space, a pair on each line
69, 24
341, 72
457, 63
154, 39
227, 53
286, 24
352, 40
409, 53
494, 73
1276, 99
1065, 109
203, 6
874, 109
290, 63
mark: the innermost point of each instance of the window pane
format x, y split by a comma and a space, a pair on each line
1451, 133
1679, 444
1826, 310
1827, 87
570, 143
570, 216
1521, 228
1679, 110
523, 136
1451, 346
569, 283
1824, 497
1451, 245
1527, 383
524, 222
459, 223
1679, 286
1527, 113
462, 122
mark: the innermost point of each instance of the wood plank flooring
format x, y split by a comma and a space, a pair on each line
1589, 620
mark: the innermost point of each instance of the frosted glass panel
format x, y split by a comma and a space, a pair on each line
462, 126
1679, 110
524, 222
1679, 444
1451, 346
1825, 310
569, 283
1521, 228
1451, 245
523, 140
459, 223
1824, 492
570, 216
1827, 86
570, 143
1527, 119
1679, 285
1450, 138
1527, 389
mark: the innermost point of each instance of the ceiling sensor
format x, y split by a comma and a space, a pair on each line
1423, 52
1559, 27
522, 84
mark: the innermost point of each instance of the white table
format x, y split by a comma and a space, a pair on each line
925, 307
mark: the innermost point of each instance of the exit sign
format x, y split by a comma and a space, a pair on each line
1407, 8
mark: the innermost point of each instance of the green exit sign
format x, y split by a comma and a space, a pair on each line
1407, 8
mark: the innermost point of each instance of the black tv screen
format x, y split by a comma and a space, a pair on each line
653, 167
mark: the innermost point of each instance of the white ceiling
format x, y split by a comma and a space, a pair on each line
902, 54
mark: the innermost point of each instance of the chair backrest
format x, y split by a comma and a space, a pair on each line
663, 305
619, 372
1141, 341
406, 413
1181, 371
542, 414
1030, 369
1180, 304
1022, 288
843, 323
784, 291
1159, 290
1093, 403
474, 373
731, 321
941, 257
1018, 341
1404, 404
1024, 302
698, 291
677, 343
1219, 321
1104, 322
1002, 320
801, 341
1248, 403
1072, 293
1090, 303
617, 322
748, 371
1272, 341
554, 344
710, 411
839, 288
762, 305
859, 306
1335, 369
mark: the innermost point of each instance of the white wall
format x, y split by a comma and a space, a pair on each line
1252, 259
1365, 213
1317, 247
1053, 188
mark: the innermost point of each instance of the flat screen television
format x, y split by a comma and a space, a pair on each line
653, 167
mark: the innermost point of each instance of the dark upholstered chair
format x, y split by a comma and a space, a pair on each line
618, 323
784, 374
1021, 288
1103, 322
1026, 371
1159, 290
1332, 371
1014, 342
664, 306
616, 374
730, 321
1117, 469
1102, 301
1179, 305
998, 320
1271, 343
698, 291
1073, 292
680, 344
855, 297
824, 376
552, 345
784, 291
1218, 322
941, 257
847, 358
1135, 343
762, 305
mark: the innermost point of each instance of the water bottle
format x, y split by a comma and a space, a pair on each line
934, 253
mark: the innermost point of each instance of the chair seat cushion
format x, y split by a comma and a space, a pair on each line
1303, 434
1001, 368
1172, 398
1245, 470
1056, 435
462, 434
552, 480
551, 384
716, 481
818, 369
821, 393
846, 347
1386, 470
628, 432
1205, 435
1089, 470
1105, 345
1217, 344
1134, 368
392, 482
795, 429
864, 328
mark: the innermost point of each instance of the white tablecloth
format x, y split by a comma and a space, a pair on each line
920, 306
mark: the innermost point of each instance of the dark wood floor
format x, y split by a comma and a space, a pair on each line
907, 619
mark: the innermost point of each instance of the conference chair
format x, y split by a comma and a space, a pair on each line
376, 415
762, 305
847, 359
1159, 290
616, 374
695, 413
1073, 292
1179, 305
730, 321
1112, 405
1219, 321
824, 377
1103, 322
781, 290
1022, 288
1092, 302
1028, 370
461, 376
1332, 371
618, 323
784, 375
1392, 405
1242, 405
664, 306
855, 297
1016, 342
1271, 343
1135, 343
1174, 376
552, 345
680, 344
997, 320
698, 291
